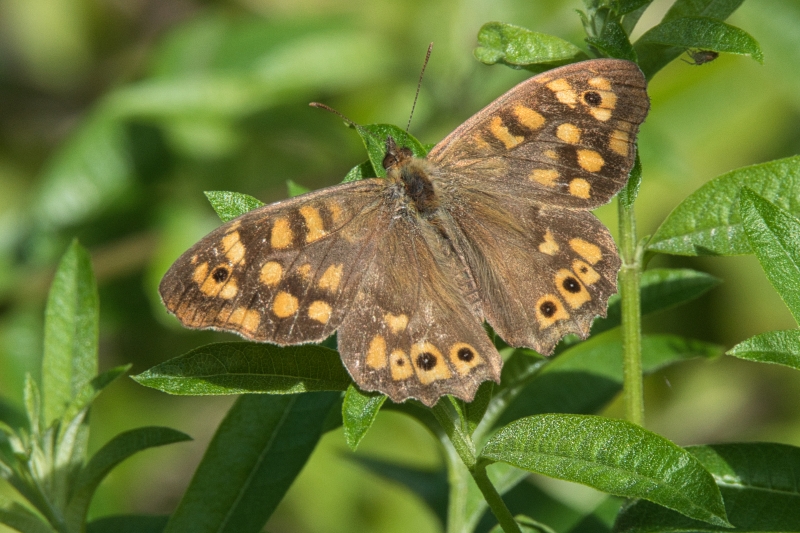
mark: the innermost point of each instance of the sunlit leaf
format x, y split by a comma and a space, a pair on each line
704, 34
521, 48
230, 205
359, 411
779, 347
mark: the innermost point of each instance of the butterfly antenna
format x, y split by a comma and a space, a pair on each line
419, 84
332, 110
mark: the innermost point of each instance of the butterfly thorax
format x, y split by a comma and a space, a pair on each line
415, 176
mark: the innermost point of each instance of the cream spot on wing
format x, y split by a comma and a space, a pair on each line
304, 270
551, 154
224, 288
588, 275
376, 353
428, 363
624, 125
502, 134
229, 290
233, 247
281, 234
330, 278
284, 305
401, 365
396, 323
590, 160
549, 246
600, 83
563, 91
572, 290
200, 273
546, 177
315, 228
600, 114
587, 250
248, 319
336, 212
271, 273
464, 358
319, 311
549, 310
194, 259
609, 100
480, 142
528, 117
569, 133
619, 142
580, 188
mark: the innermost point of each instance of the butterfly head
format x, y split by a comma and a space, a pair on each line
396, 156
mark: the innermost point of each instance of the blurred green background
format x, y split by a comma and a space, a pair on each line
115, 115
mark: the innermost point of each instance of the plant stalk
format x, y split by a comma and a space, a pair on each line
629, 275
492, 497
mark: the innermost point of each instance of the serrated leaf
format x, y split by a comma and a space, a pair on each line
128, 524
295, 189
758, 481
613, 42
359, 172
242, 367
430, 486
522, 48
660, 289
359, 411
110, 455
653, 57
628, 194
585, 377
779, 347
71, 332
613, 456
258, 450
708, 222
704, 34
374, 138
230, 205
774, 235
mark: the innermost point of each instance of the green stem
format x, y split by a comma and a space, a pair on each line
492, 497
629, 274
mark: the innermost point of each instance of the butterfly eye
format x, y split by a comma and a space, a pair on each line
592, 98
220, 274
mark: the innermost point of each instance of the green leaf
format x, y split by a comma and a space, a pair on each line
613, 42
91, 390
585, 377
242, 367
660, 289
613, 456
758, 481
708, 222
295, 189
360, 172
128, 524
374, 138
779, 347
21, 519
521, 48
33, 405
704, 34
628, 194
430, 486
110, 455
628, 6
255, 455
774, 235
230, 205
359, 411
71, 332
653, 57
526, 525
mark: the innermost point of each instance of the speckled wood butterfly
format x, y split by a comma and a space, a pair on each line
493, 225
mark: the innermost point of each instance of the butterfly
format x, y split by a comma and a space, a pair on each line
494, 225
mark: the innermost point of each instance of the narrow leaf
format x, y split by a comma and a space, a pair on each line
526, 525
613, 456
242, 367
521, 48
128, 524
613, 42
628, 194
230, 205
21, 519
255, 455
91, 390
758, 481
774, 235
708, 222
110, 455
627, 6
359, 411
71, 332
779, 347
705, 34
660, 289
